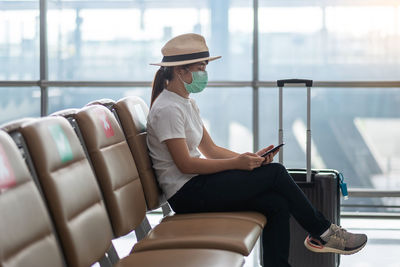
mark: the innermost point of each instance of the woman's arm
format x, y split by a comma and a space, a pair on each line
211, 151
179, 151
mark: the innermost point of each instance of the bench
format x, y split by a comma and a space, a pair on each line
103, 185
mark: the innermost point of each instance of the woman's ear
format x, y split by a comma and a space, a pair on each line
180, 70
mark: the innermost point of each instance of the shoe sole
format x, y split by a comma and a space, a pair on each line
333, 250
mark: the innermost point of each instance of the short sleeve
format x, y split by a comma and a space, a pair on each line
169, 123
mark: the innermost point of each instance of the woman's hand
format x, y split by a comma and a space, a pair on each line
248, 161
269, 158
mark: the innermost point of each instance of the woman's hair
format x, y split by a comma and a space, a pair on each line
163, 75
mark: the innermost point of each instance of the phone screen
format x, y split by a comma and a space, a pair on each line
272, 150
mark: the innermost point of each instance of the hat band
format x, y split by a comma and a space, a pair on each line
185, 57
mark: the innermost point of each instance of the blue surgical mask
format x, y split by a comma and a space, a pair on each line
199, 82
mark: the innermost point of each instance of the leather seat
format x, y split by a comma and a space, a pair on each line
76, 205
114, 167
132, 112
251, 216
183, 257
27, 237
70, 189
119, 180
218, 233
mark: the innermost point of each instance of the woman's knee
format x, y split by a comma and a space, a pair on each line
280, 168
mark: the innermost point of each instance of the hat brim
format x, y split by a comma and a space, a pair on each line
184, 62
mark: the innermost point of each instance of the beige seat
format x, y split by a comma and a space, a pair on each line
132, 113
114, 167
70, 189
123, 193
26, 233
218, 233
183, 258
76, 205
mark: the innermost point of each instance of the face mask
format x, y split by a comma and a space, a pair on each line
199, 82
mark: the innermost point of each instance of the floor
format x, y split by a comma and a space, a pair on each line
382, 249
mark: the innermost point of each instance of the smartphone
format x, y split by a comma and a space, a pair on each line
272, 150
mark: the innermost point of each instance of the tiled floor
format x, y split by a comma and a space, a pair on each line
382, 249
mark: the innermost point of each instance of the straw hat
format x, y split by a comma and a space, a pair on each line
185, 49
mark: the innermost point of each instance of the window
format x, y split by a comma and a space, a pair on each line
19, 40
107, 40
330, 40
19, 102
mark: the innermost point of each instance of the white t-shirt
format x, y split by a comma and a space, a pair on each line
172, 116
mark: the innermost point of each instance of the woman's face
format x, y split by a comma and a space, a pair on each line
186, 73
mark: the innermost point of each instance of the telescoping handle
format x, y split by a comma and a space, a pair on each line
308, 84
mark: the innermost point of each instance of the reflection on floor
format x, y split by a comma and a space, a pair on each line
382, 249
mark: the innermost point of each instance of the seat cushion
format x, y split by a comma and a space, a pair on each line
183, 257
255, 217
215, 233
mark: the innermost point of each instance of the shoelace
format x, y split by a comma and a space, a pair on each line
339, 233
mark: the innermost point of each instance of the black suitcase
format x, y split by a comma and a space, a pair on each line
323, 192
320, 186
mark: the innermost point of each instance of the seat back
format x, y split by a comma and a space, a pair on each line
114, 166
107, 102
132, 112
70, 189
26, 233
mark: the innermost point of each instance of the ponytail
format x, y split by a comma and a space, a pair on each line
163, 75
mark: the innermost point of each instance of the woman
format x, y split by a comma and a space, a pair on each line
225, 180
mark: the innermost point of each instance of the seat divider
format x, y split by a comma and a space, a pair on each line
75, 126
166, 209
23, 148
105, 262
142, 230
113, 255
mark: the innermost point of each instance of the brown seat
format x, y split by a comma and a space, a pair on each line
26, 233
184, 258
132, 112
70, 189
74, 198
123, 193
114, 167
108, 103
254, 217
218, 233
14, 125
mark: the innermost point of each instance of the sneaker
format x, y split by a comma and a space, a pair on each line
338, 240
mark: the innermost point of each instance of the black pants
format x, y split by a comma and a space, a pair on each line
269, 190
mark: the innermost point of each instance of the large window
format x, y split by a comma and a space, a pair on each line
77, 97
107, 40
355, 131
227, 116
329, 40
19, 40
102, 49
18, 102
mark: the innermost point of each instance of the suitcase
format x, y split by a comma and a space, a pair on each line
320, 186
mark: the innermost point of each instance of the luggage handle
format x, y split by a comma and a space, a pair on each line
308, 84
